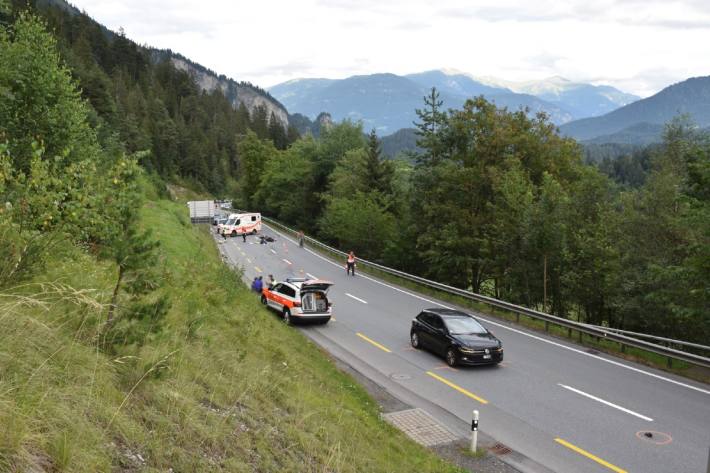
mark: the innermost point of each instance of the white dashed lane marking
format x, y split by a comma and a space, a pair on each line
606, 403
356, 298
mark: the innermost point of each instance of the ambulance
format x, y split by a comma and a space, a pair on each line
238, 224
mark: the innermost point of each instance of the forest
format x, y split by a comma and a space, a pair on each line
501, 204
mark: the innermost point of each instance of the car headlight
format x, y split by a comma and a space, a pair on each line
467, 350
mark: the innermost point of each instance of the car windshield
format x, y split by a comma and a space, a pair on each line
464, 326
231, 221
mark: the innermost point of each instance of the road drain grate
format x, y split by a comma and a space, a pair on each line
499, 449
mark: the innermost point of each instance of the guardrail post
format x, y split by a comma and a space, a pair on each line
623, 347
670, 362
474, 432
547, 326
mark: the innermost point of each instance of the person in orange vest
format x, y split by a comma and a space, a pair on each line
350, 267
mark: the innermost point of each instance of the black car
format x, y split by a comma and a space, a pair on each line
456, 336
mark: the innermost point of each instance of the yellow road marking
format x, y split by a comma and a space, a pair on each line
381, 347
458, 388
590, 456
258, 269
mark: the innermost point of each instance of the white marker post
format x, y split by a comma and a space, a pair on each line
474, 432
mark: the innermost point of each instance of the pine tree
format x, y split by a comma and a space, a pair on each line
377, 173
428, 130
277, 134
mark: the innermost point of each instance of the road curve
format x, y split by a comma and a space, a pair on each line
560, 405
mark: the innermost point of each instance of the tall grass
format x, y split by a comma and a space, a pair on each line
225, 386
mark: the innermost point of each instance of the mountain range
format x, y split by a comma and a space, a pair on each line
387, 102
642, 122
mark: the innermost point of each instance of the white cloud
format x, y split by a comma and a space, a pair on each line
639, 46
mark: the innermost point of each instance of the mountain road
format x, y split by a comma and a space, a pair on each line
556, 403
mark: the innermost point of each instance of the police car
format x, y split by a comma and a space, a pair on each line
299, 299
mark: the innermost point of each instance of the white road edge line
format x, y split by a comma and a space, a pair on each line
286, 261
356, 298
607, 403
272, 250
616, 363
311, 276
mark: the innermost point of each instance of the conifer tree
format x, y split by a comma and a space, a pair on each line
428, 129
377, 172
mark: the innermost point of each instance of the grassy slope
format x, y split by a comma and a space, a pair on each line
225, 387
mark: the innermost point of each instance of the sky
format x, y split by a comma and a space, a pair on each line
638, 46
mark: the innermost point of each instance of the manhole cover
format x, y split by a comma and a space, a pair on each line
400, 376
658, 438
499, 449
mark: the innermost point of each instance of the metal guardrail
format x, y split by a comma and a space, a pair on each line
654, 337
592, 330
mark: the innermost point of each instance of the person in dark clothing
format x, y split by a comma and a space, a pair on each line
258, 285
253, 284
244, 236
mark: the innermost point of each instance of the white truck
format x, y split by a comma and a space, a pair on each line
243, 223
202, 211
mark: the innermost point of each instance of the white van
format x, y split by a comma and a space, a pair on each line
238, 224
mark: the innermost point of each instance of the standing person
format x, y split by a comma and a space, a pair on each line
253, 284
244, 236
301, 238
258, 285
350, 263
271, 281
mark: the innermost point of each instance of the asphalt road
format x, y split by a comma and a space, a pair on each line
550, 400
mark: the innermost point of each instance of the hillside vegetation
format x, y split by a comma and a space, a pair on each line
141, 102
125, 343
222, 386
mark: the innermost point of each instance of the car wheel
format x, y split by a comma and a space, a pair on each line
263, 299
451, 358
415, 340
234, 234
253, 232
287, 317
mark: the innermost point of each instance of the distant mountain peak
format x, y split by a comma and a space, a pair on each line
691, 96
449, 71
